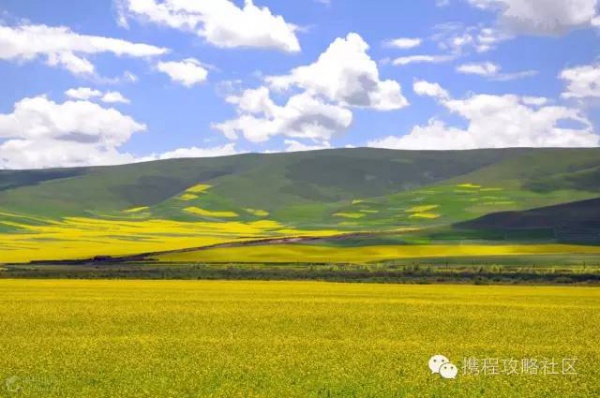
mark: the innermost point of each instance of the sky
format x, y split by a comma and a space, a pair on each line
100, 82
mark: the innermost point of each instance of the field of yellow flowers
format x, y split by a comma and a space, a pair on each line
283, 339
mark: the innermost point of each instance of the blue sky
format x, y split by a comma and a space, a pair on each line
106, 82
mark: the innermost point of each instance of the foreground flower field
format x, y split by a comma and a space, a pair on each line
271, 339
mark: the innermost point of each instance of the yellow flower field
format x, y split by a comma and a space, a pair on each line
283, 339
364, 254
77, 238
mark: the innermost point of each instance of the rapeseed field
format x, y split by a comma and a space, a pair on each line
284, 339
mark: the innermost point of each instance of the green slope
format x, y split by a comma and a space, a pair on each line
347, 190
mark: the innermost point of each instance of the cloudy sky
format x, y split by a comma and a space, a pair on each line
94, 82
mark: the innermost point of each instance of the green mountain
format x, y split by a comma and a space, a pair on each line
346, 190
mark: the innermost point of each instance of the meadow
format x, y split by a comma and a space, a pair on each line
290, 339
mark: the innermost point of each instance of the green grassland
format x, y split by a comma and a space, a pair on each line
283, 339
415, 197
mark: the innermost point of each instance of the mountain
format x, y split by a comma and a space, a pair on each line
273, 195
581, 214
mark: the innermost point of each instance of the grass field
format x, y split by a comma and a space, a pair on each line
270, 339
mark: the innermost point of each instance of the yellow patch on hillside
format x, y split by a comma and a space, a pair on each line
200, 188
422, 209
366, 211
208, 213
470, 186
258, 213
357, 202
491, 189
428, 216
349, 215
136, 210
186, 197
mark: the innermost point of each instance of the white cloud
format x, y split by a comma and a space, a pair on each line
40, 117
42, 133
459, 40
195, 152
582, 81
535, 101
434, 90
61, 47
542, 17
114, 97
86, 94
499, 121
481, 69
43, 153
492, 71
297, 146
347, 75
303, 116
220, 22
188, 72
83, 93
72, 63
319, 96
403, 43
421, 59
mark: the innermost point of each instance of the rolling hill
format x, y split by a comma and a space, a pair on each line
175, 204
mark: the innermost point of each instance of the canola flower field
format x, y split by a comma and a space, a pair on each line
363, 254
80, 238
289, 339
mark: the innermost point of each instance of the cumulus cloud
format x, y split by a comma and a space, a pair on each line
42, 133
319, 98
188, 72
303, 116
221, 23
86, 93
492, 71
536, 101
582, 82
114, 97
61, 47
347, 75
497, 121
403, 43
428, 89
542, 17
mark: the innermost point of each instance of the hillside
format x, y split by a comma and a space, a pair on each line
575, 215
174, 204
